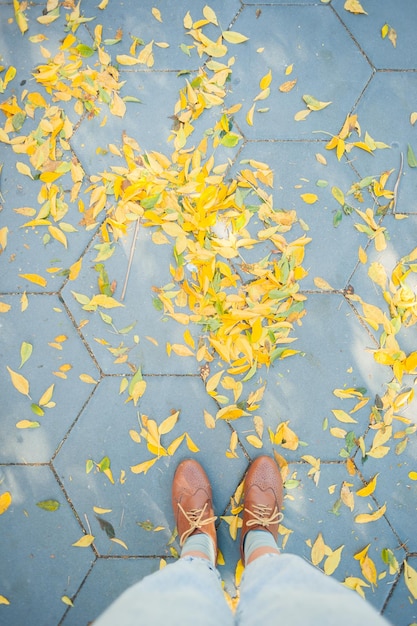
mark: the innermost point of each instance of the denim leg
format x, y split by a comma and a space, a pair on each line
185, 593
285, 590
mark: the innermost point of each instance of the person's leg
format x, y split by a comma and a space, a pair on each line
186, 593
286, 590
189, 591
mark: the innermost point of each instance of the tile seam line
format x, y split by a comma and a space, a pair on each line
81, 335
71, 505
71, 427
357, 44
78, 590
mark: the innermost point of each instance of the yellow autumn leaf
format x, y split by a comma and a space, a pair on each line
22, 424
86, 378
107, 302
363, 257
332, 561
75, 269
322, 284
263, 95
288, 86
412, 475
365, 518
125, 59
309, 198
190, 444
58, 235
100, 511
254, 441
47, 396
120, 542
143, 467
233, 37
157, 14
410, 577
369, 488
24, 169
19, 382
344, 417
210, 15
181, 350
117, 106
35, 278
231, 412
84, 541
266, 80
168, 424
67, 600
209, 420
4, 600
213, 381
4, 307
249, 115
317, 550
302, 115
5, 501
354, 6
356, 584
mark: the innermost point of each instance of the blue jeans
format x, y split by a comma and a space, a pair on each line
275, 589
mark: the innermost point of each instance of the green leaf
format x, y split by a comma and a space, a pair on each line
37, 410
107, 527
313, 104
322, 183
230, 140
48, 505
85, 50
185, 49
25, 352
411, 157
131, 99
136, 378
89, 464
104, 464
337, 218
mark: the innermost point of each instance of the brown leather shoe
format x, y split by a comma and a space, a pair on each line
192, 502
263, 499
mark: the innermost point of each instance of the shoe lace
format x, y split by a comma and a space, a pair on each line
196, 520
264, 515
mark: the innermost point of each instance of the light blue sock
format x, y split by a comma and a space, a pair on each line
258, 539
200, 543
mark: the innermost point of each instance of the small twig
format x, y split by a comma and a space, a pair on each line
397, 184
129, 265
88, 524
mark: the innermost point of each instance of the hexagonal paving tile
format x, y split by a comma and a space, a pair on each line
384, 111
366, 29
38, 564
58, 358
300, 388
107, 580
103, 430
309, 38
138, 21
147, 122
149, 270
332, 253
28, 252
